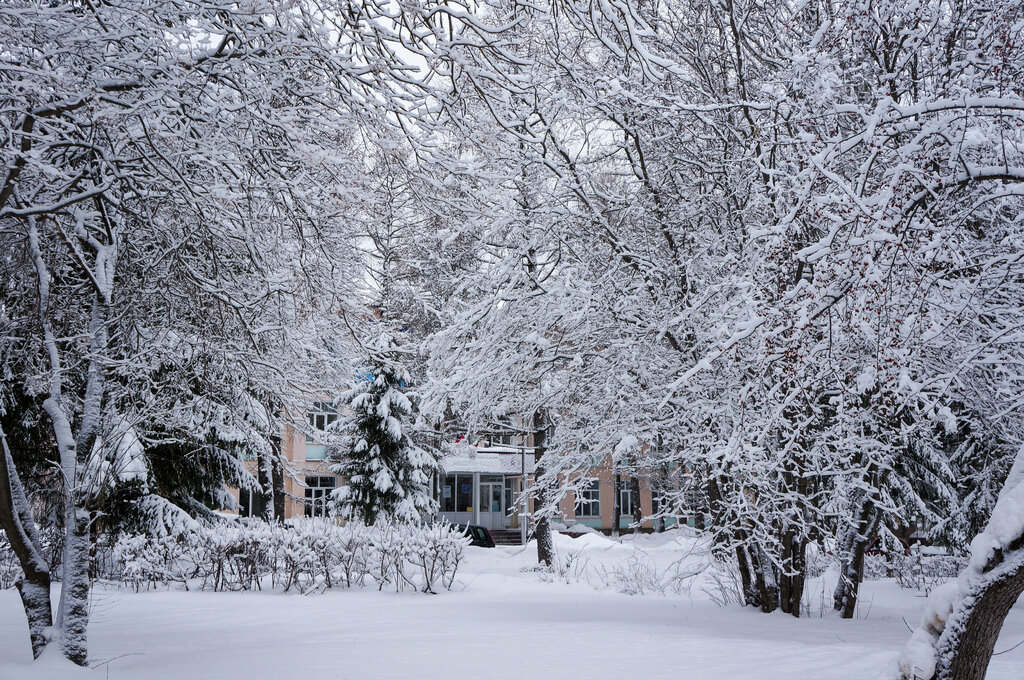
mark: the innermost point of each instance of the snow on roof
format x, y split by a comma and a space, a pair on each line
506, 460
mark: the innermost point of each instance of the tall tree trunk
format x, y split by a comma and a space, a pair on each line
638, 510
72, 618
616, 504
764, 578
278, 482
751, 596
542, 528
265, 478
73, 612
17, 523
791, 578
851, 567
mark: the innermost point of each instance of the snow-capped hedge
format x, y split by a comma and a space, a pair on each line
305, 555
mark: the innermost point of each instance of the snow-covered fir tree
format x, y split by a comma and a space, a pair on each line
387, 475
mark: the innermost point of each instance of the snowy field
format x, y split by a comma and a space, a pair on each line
500, 621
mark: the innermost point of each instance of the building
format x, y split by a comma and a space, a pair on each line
479, 485
308, 480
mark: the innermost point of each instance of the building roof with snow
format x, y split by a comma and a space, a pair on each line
498, 460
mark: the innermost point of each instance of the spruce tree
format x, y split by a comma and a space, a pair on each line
387, 476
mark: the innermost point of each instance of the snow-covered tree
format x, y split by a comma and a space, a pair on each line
386, 473
177, 182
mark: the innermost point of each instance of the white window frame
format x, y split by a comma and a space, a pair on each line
317, 496
626, 497
319, 417
589, 497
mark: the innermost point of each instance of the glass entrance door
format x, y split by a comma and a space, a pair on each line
492, 513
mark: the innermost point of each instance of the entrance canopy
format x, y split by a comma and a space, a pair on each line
479, 485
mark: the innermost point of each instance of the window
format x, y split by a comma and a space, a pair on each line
318, 495
464, 493
319, 417
504, 433
510, 497
626, 498
457, 493
448, 494
588, 500
250, 503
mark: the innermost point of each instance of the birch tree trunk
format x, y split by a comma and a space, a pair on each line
16, 521
265, 477
73, 612
542, 530
278, 480
72, 618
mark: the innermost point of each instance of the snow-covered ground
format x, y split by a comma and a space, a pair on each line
499, 622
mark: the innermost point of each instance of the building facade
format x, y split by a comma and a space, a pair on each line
480, 483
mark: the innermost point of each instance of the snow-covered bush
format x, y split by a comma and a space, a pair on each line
352, 549
569, 566
103, 563
818, 561
212, 551
147, 561
724, 585
913, 569
296, 560
302, 556
390, 556
436, 552
640, 575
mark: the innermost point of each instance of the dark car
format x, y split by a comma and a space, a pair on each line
478, 535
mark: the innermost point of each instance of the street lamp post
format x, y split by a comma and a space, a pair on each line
524, 508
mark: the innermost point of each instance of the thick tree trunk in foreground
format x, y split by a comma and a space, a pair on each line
966, 645
73, 614
963, 618
751, 596
851, 569
17, 523
764, 578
